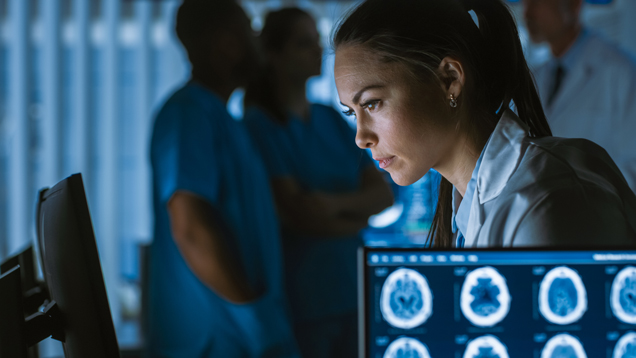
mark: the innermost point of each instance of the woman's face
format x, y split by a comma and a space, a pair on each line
404, 124
301, 57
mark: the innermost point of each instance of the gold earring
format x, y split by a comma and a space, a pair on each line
453, 101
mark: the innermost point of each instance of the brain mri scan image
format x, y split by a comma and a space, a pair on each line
562, 296
623, 295
406, 300
626, 346
485, 299
485, 347
405, 347
563, 346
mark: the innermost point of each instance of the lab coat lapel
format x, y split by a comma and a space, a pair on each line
501, 158
475, 221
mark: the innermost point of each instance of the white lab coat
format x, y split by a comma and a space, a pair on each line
596, 101
548, 192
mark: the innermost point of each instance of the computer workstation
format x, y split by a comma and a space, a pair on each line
414, 302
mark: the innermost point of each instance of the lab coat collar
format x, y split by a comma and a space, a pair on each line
501, 156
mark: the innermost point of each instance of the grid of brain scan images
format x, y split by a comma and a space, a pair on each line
488, 304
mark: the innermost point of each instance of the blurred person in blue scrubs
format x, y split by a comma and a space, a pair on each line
215, 281
588, 87
324, 186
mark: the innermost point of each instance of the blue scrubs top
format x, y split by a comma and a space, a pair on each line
197, 147
321, 155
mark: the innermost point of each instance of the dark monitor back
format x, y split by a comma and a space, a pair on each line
70, 263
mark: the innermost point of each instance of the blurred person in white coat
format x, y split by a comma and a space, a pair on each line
588, 87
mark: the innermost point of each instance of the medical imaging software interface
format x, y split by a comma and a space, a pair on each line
488, 304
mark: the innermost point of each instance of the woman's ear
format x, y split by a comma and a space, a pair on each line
453, 76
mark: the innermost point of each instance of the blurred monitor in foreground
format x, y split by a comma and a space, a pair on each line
72, 271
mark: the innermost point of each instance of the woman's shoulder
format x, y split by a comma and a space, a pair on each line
571, 160
566, 192
577, 216
565, 214
553, 167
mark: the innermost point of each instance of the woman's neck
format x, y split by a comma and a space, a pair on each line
460, 164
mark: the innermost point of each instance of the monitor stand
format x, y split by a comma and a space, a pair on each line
18, 333
35, 293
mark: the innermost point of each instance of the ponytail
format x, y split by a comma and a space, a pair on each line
513, 81
420, 33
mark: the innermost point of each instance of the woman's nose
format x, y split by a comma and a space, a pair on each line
365, 137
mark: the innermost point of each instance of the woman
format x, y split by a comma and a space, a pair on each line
431, 88
324, 186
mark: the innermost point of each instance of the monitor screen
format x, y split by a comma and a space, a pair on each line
72, 271
496, 303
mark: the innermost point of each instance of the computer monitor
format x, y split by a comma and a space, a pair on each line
497, 303
70, 263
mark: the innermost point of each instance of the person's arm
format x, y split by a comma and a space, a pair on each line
331, 214
374, 196
304, 213
203, 245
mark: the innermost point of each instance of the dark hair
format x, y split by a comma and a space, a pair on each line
198, 19
421, 33
276, 33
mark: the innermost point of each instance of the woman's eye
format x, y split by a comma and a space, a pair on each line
349, 113
371, 105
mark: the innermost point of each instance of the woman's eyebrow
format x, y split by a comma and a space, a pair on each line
356, 98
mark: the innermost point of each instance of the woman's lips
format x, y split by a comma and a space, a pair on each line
385, 162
